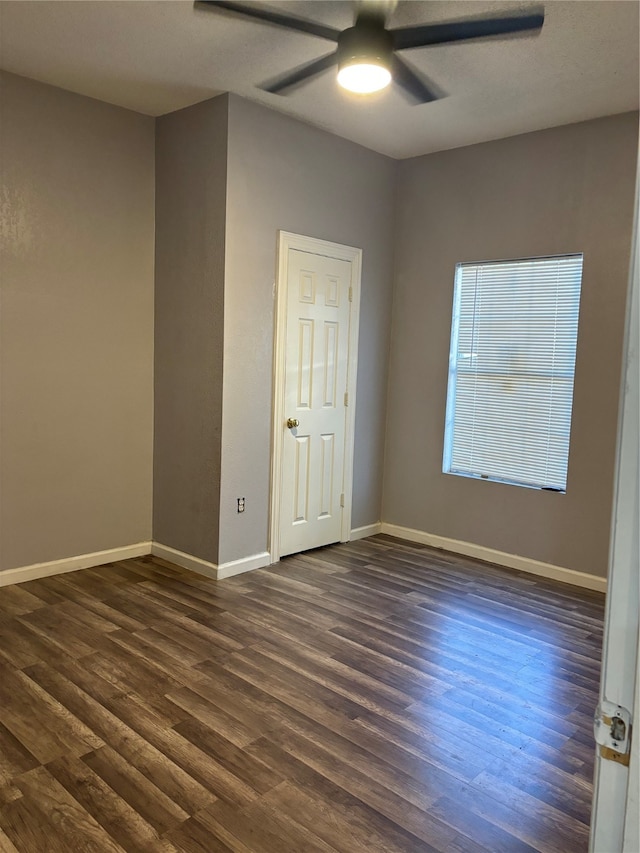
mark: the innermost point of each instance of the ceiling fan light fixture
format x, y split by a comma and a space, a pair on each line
364, 57
364, 77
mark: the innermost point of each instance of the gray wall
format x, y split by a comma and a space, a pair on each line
287, 175
76, 320
569, 189
76, 313
191, 168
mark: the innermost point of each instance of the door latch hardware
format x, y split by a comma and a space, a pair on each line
612, 731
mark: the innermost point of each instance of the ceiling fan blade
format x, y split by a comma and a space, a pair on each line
301, 74
461, 30
270, 16
417, 90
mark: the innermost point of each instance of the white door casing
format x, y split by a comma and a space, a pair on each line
315, 363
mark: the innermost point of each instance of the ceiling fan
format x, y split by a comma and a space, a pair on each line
366, 53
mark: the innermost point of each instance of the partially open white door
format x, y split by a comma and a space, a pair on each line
313, 425
615, 815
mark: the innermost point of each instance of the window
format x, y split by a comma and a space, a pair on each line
513, 351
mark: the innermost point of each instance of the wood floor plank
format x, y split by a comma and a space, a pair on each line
213, 717
195, 762
109, 721
507, 811
253, 707
431, 745
347, 680
332, 675
510, 780
128, 671
464, 844
262, 830
117, 817
400, 675
193, 836
78, 676
174, 653
300, 693
44, 726
477, 828
142, 795
241, 764
362, 820
78, 610
15, 758
166, 668
343, 822
16, 601
511, 727
79, 639
486, 697
20, 646
563, 789
201, 639
410, 809
48, 818
472, 675
6, 845
378, 696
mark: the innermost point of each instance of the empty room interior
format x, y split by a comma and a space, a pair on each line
312, 465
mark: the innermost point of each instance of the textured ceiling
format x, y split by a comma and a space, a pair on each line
156, 57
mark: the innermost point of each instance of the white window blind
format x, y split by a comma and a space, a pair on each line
513, 350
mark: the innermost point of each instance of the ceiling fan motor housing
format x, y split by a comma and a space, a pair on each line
366, 42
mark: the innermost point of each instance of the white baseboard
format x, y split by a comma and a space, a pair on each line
367, 530
210, 570
73, 564
246, 564
258, 561
512, 561
186, 561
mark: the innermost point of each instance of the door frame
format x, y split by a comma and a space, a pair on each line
288, 240
614, 815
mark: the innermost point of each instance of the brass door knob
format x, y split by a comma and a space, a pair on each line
292, 422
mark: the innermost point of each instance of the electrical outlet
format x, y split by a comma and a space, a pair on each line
240, 504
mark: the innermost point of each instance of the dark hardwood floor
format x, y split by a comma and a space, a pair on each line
377, 696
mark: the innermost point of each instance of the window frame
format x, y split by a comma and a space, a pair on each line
453, 369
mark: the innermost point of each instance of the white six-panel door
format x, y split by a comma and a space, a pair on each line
312, 424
